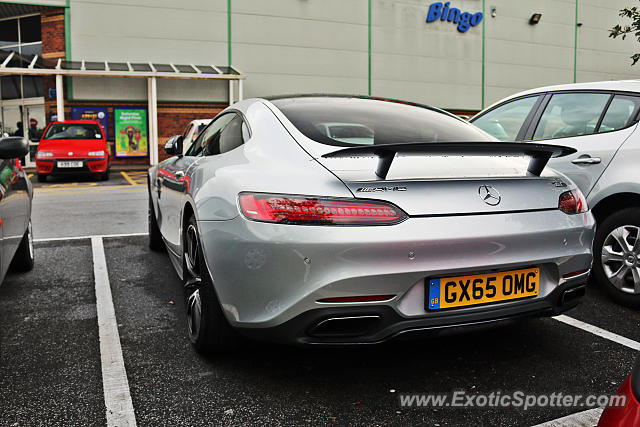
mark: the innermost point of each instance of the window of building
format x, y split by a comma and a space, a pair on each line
22, 36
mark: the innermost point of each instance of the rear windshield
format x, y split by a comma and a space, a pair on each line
359, 121
73, 131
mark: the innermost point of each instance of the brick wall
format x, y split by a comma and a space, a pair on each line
52, 29
173, 118
53, 48
468, 113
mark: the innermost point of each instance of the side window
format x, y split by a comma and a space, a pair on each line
210, 135
571, 114
187, 129
620, 113
229, 137
504, 122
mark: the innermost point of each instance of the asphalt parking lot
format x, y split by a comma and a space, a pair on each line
50, 354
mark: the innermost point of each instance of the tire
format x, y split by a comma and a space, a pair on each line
42, 177
209, 331
24, 257
155, 237
104, 176
618, 271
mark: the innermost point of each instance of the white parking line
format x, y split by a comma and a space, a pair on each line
599, 332
581, 419
115, 384
57, 239
590, 417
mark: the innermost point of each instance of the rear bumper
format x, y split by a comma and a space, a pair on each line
269, 278
376, 324
92, 165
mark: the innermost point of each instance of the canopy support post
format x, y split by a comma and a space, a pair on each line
59, 98
152, 97
230, 92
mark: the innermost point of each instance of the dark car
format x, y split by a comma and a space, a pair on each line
16, 193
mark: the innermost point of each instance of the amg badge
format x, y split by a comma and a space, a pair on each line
375, 189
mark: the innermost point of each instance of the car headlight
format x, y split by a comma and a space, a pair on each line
96, 153
43, 154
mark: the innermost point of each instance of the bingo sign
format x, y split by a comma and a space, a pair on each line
131, 132
98, 114
444, 12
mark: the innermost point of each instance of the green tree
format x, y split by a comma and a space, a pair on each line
634, 28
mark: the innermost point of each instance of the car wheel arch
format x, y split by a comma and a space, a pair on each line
613, 203
187, 212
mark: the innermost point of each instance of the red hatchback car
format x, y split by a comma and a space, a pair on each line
629, 415
72, 147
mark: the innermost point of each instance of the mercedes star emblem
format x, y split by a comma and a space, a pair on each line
489, 195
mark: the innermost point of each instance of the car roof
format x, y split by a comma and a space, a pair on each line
347, 96
67, 122
617, 85
607, 85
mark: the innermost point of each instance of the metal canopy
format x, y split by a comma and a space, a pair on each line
14, 63
10, 10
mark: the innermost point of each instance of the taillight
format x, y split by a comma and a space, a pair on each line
572, 202
313, 210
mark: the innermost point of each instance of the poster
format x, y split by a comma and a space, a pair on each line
131, 132
92, 113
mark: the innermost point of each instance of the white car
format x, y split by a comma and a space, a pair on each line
600, 121
192, 131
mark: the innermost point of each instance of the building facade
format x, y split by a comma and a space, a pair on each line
460, 55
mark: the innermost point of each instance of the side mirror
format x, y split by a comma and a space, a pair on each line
13, 147
173, 146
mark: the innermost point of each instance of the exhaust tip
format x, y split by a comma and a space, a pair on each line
572, 294
350, 326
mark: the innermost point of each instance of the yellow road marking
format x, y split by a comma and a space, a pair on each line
128, 178
89, 190
73, 185
92, 188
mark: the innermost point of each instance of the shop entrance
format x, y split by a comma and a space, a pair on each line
24, 117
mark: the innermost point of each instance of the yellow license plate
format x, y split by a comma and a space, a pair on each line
461, 291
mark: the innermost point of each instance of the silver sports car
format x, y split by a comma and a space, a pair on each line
338, 220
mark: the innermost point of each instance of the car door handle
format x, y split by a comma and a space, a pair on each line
586, 161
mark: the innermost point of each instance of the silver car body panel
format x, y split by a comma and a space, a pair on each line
622, 174
267, 274
275, 272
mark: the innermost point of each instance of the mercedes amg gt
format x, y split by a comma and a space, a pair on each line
329, 220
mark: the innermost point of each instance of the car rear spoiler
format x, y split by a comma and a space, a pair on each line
539, 153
